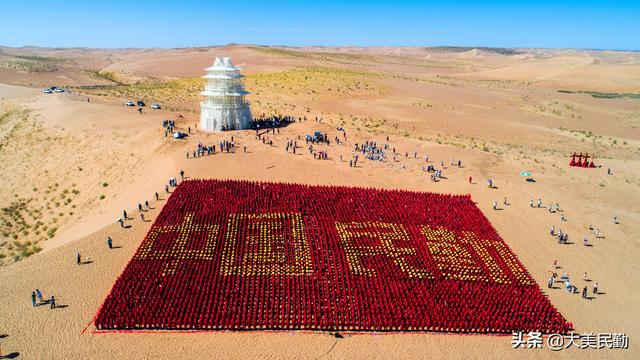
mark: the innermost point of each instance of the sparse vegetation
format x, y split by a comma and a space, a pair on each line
605, 95
29, 66
321, 82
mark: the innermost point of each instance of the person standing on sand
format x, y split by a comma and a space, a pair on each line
166, 189
78, 258
146, 204
495, 205
142, 216
53, 302
157, 196
109, 242
470, 179
33, 298
187, 154
182, 174
584, 292
121, 222
595, 288
39, 295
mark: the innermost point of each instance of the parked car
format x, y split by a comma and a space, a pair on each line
140, 103
155, 106
179, 135
58, 90
47, 91
130, 103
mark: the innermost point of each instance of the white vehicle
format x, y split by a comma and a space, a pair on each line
58, 90
47, 91
155, 106
130, 103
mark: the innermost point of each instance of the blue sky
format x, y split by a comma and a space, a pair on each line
550, 24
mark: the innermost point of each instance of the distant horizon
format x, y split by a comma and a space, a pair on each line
527, 24
318, 46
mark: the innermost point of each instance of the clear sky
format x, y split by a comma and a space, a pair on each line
609, 24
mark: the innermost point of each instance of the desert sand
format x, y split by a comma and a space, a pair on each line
70, 166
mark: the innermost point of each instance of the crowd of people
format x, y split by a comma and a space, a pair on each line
274, 121
225, 146
370, 150
199, 294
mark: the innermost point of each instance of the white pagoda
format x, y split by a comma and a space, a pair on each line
224, 106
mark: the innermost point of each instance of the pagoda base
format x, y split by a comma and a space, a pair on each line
213, 119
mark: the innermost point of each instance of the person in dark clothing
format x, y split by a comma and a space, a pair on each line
53, 302
110, 242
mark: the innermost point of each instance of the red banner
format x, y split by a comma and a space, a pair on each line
246, 255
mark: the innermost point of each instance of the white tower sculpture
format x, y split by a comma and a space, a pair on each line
224, 106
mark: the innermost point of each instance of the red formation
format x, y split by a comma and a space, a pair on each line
580, 162
573, 160
243, 255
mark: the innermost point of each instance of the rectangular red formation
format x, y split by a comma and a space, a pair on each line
242, 255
